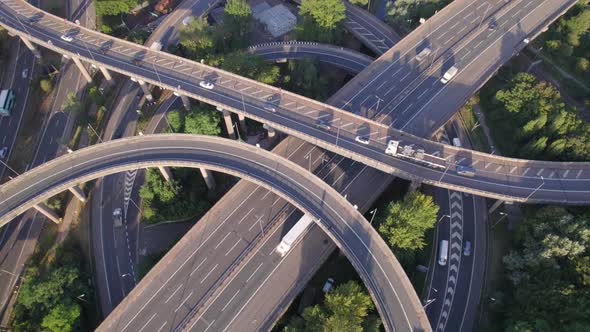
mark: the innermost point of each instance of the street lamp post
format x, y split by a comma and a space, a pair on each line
373, 213
534, 191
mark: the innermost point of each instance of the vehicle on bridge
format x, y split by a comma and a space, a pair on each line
449, 75
466, 171
6, 102
300, 228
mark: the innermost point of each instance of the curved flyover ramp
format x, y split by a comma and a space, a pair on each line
392, 292
347, 59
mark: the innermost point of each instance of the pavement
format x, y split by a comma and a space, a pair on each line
497, 177
117, 277
386, 280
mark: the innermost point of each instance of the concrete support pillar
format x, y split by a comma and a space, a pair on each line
228, 123
414, 185
31, 47
185, 101
82, 69
79, 193
242, 121
106, 74
208, 177
48, 212
495, 206
146, 91
165, 173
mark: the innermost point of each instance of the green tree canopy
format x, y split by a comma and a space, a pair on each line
251, 66
202, 121
346, 308
113, 7
198, 39
237, 23
403, 224
321, 20
548, 272
62, 318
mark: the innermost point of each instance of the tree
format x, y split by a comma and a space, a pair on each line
403, 224
346, 308
46, 85
237, 23
113, 7
304, 78
72, 104
175, 119
202, 122
251, 66
321, 20
198, 39
62, 318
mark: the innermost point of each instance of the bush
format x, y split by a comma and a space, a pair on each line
46, 85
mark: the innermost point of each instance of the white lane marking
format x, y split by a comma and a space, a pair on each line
198, 266
230, 300
252, 209
146, 323
253, 273
213, 321
579, 173
526, 171
161, 327
208, 274
232, 248
513, 169
183, 302
540, 171
566, 173
258, 221
172, 295
220, 242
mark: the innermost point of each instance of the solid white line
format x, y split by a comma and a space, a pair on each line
244, 217
183, 302
208, 274
196, 268
161, 327
250, 277
235, 244
213, 321
146, 324
230, 300
220, 242
171, 295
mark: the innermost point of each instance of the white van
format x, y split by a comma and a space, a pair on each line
457, 142
443, 252
449, 74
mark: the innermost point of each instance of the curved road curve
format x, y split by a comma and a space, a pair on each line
497, 177
392, 292
347, 59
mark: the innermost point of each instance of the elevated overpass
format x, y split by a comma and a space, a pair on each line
344, 58
387, 282
496, 176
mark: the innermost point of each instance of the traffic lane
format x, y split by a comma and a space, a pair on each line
282, 280
464, 52
211, 264
411, 74
513, 30
352, 64
397, 57
438, 273
370, 252
307, 101
173, 79
464, 289
9, 126
49, 144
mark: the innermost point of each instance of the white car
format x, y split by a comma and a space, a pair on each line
328, 285
3, 152
25, 73
186, 20
66, 38
118, 217
206, 85
270, 107
449, 75
362, 139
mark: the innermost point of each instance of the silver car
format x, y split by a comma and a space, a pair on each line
118, 217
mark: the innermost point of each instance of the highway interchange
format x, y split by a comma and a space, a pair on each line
437, 80
497, 177
398, 305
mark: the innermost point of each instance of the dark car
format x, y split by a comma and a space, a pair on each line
323, 125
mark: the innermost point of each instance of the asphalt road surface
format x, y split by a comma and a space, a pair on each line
392, 292
496, 176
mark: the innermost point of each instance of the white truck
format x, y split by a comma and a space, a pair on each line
294, 233
156, 46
